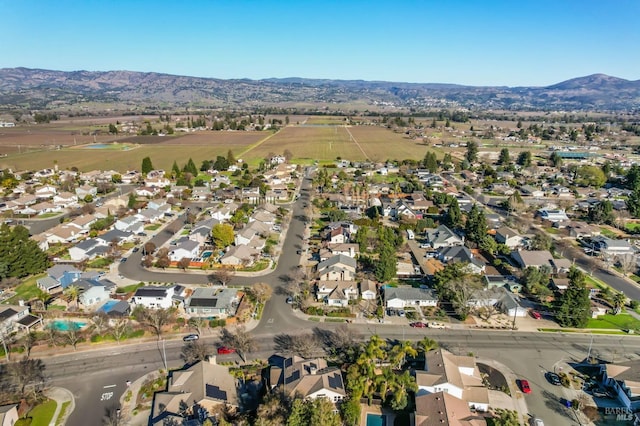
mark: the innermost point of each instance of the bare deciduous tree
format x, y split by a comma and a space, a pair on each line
29, 372
155, 319
72, 334
261, 291
120, 328
193, 352
628, 263
305, 345
240, 339
223, 275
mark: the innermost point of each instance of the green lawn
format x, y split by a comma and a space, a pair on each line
620, 321
152, 227
608, 233
26, 290
63, 411
633, 227
40, 415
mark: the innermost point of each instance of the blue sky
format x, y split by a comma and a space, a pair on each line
483, 42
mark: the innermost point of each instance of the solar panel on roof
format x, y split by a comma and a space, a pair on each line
335, 381
215, 392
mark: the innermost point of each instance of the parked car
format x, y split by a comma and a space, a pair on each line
225, 350
391, 312
289, 300
536, 314
536, 422
418, 324
553, 378
124, 259
136, 249
436, 325
424, 246
190, 337
524, 386
401, 313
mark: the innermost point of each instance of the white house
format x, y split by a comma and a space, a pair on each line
154, 297
402, 297
336, 293
368, 290
187, 248
552, 215
337, 268
508, 237
442, 236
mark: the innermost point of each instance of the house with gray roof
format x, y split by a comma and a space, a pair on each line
185, 249
402, 297
337, 268
205, 384
81, 251
442, 236
209, 302
461, 254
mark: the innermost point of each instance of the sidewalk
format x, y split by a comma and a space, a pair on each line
61, 396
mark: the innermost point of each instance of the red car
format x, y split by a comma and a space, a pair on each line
536, 314
418, 324
224, 350
524, 386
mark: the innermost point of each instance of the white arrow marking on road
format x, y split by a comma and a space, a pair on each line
270, 321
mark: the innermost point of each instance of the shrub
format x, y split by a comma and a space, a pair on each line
633, 304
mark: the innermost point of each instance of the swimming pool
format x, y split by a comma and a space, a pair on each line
108, 306
98, 146
376, 420
206, 254
63, 325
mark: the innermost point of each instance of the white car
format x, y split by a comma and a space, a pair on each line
437, 325
537, 422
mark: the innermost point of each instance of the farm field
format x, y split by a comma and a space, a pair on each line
162, 150
332, 142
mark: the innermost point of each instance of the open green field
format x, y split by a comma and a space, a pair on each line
332, 142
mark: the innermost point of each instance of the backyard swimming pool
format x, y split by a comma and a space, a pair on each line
63, 325
376, 420
108, 306
206, 254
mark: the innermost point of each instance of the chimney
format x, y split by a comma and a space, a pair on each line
213, 360
313, 369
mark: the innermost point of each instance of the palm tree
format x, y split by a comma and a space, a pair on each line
619, 300
399, 352
73, 294
427, 345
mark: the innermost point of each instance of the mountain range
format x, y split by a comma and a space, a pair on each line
46, 89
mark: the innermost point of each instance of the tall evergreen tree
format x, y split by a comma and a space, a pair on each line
503, 160
20, 255
147, 166
524, 159
430, 162
175, 170
476, 226
231, 158
453, 218
472, 152
574, 309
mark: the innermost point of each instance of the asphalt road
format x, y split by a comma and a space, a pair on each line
94, 374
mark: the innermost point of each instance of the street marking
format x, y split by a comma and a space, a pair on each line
106, 396
109, 386
270, 321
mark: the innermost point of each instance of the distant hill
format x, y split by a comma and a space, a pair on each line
42, 89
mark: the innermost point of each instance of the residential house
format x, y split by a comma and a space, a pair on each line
510, 305
209, 302
147, 191
336, 293
153, 297
63, 234
310, 378
351, 250
581, 230
129, 224
88, 249
225, 212
249, 231
368, 290
250, 195
119, 309
92, 292
337, 268
117, 236
45, 192
455, 375
9, 415
200, 193
461, 254
149, 215
205, 385
184, 249
508, 237
64, 274
442, 409
65, 199
610, 246
402, 297
83, 223
531, 191
45, 207
539, 258
86, 190
240, 255
157, 181
14, 318
508, 282
442, 236
552, 215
